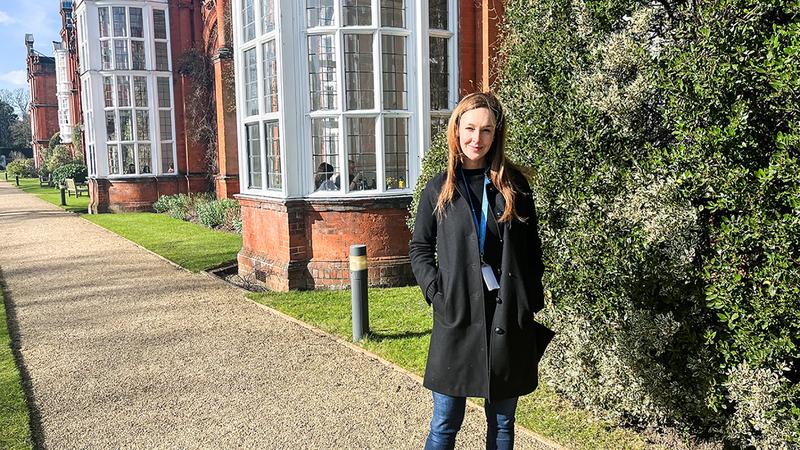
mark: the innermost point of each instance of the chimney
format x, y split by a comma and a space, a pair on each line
29, 42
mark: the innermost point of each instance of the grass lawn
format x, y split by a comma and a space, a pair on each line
400, 325
189, 245
51, 195
15, 432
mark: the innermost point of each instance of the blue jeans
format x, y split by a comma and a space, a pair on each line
448, 414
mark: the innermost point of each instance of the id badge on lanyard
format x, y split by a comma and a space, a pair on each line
486, 270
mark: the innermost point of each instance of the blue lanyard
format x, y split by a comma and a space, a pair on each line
479, 226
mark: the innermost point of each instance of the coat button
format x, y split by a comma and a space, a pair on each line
499, 330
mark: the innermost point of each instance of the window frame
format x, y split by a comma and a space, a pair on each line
92, 84
342, 114
263, 116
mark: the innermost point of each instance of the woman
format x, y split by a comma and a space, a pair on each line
478, 219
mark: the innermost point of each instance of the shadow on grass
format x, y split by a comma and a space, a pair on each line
37, 437
377, 336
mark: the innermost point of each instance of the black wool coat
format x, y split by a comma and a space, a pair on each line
461, 361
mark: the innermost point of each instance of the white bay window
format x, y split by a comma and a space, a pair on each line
127, 83
357, 105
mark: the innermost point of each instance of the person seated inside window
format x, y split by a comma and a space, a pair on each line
324, 179
355, 177
171, 168
131, 168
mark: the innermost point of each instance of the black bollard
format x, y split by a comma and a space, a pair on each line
358, 288
17, 177
63, 197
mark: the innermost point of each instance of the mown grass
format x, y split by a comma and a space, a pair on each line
189, 245
15, 432
52, 195
400, 325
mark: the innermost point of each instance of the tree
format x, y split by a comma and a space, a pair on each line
19, 99
7, 119
21, 132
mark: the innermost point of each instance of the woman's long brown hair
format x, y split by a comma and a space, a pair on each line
499, 166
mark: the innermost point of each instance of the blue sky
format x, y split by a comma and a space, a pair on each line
17, 17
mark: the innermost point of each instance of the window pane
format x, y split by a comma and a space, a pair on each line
440, 75
137, 55
273, 151
437, 14
395, 152
159, 24
164, 100
140, 91
322, 71
108, 92
250, 83
144, 158
267, 15
162, 57
143, 125
270, 71
125, 125
393, 13
438, 125
123, 91
319, 13
165, 125
121, 54
167, 165
136, 22
104, 22
248, 20
111, 126
113, 159
358, 72
395, 89
361, 153
253, 155
120, 27
325, 147
357, 12
127, 158
105, 54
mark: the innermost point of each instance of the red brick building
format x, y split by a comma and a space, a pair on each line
138, 140
44, 105
336, 102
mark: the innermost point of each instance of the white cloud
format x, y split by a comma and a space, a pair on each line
5, 18
15, 77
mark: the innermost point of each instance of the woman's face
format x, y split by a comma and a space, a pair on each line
475, 134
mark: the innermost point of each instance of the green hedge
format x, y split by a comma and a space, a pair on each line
78, 172
203, 209
664, 144
24, 167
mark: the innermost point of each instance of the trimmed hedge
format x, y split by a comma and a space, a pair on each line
664, 145
77, 172
25, 168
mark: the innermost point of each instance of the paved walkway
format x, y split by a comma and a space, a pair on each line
123, 350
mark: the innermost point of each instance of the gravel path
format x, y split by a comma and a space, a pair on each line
123, 350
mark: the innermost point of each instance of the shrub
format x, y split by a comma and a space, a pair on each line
75, 171
59, 156
218, 213
25, 168
55, 140
665, 151
435, 161
176, 206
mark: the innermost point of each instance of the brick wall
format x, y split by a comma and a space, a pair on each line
305, 244
138, 194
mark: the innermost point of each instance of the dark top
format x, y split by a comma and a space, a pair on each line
492, 248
